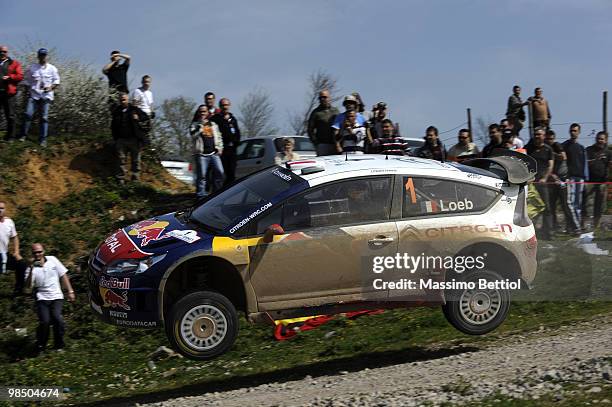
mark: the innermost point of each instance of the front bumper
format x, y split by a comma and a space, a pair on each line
128, 301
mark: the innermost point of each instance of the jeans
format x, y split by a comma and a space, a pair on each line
600, 191
9, 262
50, 312
43, 106
8, 106
202, 163
558, 194
544, 191
574, 201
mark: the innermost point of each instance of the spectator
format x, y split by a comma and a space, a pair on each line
557, 179
379, 114
116, 72
353, 135
319, 125
47, 275
142, 98
128, 133
42, 79
540, 109
390, 143
228, 125
464, 148
361, 106
495, 140
287, 154
433, 148
8, 260
11, 74
207, 150
543, 154
350, 104
511, 142
576, 174
210, 102
599, 159
515, 112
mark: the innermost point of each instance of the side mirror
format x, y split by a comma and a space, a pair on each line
272, 231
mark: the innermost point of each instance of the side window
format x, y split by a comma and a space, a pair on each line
431, 196
271, 218
340, 203
255, 149
242, 148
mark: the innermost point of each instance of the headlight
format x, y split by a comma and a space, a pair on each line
137, 266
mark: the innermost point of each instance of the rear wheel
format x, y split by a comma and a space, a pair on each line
202, 325
477, 311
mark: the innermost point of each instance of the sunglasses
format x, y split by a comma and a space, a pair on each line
462, 138
38, 252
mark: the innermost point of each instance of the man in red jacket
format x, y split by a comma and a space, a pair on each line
10, 76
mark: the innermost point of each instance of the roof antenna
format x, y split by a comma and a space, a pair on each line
346, 153
386, 156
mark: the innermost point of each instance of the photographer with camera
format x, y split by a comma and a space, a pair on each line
46, 276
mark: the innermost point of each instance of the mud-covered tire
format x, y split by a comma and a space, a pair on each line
202, 325
477, 311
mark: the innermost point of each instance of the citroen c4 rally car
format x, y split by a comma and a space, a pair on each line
306, 239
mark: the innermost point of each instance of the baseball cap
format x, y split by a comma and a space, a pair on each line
349, 98
43, 51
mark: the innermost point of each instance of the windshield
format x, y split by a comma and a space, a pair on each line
243, 201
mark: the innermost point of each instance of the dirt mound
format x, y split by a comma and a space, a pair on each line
66, 168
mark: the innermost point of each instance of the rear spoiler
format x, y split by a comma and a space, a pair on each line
517, 168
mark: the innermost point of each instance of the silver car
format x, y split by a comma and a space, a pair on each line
255, 154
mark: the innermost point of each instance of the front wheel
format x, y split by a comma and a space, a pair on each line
202, 325
477, 311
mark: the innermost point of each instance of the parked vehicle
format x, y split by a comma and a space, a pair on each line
307, 239
255, 154
180, 170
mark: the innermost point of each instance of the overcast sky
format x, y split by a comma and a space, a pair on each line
429, 60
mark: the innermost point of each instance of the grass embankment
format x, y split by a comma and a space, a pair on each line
105, 362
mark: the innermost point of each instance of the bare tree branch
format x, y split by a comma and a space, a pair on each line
255, 114
317, 81
172, 133
481, 130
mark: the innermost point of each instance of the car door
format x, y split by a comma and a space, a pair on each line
331, 234
251, 158
438, 218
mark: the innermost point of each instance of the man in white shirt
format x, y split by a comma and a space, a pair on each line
47, 275
10, 261
142, 98
42, 79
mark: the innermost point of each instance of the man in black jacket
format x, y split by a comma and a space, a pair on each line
127, 130
228, 125
599, 159
576, 174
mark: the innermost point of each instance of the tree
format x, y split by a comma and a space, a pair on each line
481, 130
317, 81
255, 114
80, 104
171, 135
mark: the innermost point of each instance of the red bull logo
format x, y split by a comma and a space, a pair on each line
148, 230
113, 300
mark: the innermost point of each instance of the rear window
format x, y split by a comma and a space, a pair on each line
433, 196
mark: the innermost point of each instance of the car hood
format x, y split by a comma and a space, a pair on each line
152, 236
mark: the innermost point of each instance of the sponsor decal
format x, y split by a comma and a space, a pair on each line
141, 324
112, 242
119, 244
282, 175
117, 314
113, 300
389, 170
472, 175
113, 282
251, 216
189, 236
453, 230
148, 230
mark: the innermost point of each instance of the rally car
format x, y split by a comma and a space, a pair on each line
324, 236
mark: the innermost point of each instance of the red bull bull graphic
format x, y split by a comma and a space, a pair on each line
148, 230
113, 300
